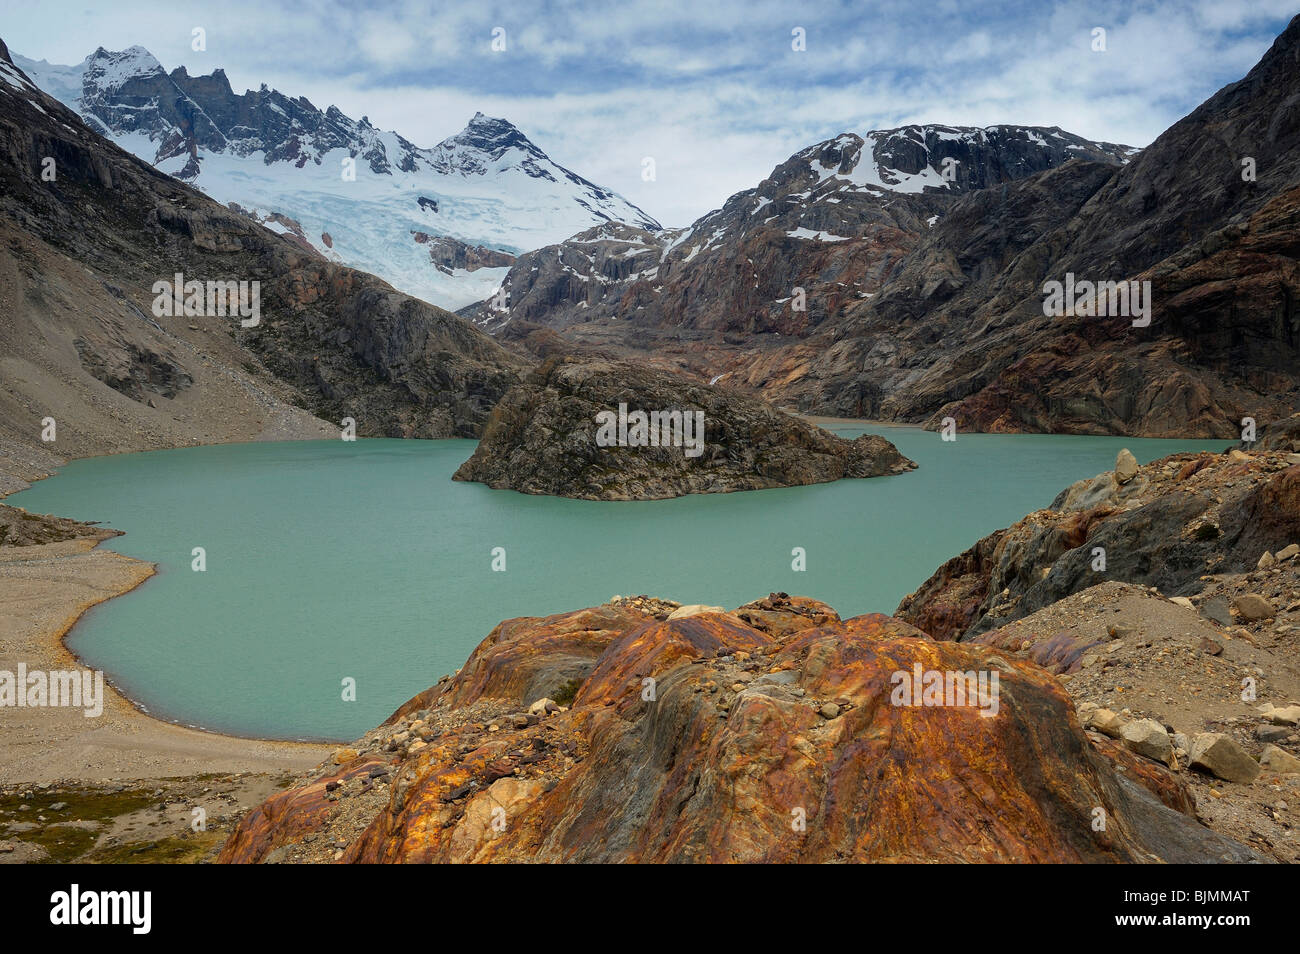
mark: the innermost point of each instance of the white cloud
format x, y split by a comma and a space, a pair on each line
711, 90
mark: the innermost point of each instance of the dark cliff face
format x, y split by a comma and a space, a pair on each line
338, 342
546, 437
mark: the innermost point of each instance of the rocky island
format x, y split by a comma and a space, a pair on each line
608, 430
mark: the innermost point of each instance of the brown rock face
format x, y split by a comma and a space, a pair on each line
706, 738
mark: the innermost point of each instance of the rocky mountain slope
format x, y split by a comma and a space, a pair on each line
1220, 249
559, 432
920, 305
759, 735
87, 230
832, 220
281, 158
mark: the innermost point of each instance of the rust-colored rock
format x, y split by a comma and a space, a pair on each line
709, 739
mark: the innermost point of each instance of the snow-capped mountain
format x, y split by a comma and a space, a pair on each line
443, 223
834, 219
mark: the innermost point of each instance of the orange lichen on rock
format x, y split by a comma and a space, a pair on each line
707, 739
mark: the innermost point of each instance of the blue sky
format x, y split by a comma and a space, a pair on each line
712, 89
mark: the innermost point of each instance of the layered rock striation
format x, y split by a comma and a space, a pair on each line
772, 733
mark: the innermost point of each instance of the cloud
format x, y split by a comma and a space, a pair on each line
713, 91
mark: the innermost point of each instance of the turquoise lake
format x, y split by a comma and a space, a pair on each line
332, 559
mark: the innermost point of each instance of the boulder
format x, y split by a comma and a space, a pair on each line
1279, 760
1148, 738
1283, 715
1223, 758
897, 771
1107, 723
1252, 607
1126, 467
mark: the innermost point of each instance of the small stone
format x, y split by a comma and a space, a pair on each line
1210, 647
1289, 552
542, 706
829, 711
1183, 602
1265, 561
58, 806
1223, 758
344, 755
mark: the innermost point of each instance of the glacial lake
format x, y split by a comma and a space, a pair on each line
329, 560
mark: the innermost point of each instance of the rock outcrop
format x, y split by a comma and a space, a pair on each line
772, 733
18, 528
571, 429
1172, 523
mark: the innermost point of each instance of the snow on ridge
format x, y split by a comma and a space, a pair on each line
488, 185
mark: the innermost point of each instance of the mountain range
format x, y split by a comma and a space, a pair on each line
87, 230
900, 275
896, 275
441, 223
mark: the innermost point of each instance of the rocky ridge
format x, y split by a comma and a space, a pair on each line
1180, 524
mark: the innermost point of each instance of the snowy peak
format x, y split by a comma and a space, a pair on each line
485, 145
106, 71
912, 159
440, 223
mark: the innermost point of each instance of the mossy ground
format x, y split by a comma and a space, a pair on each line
86, 828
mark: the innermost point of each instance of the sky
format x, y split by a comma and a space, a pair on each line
714, 91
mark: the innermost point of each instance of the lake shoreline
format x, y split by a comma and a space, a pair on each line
67, 571
47, 589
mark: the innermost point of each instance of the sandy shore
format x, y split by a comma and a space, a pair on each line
44, 589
